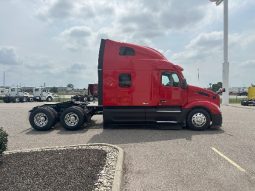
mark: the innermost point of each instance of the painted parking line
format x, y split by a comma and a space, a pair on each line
229, 160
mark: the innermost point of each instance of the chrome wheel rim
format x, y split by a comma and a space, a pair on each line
41, 119
71, 119
198, 119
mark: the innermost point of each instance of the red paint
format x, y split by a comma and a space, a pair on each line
146, 88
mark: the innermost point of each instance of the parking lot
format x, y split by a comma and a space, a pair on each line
158, 159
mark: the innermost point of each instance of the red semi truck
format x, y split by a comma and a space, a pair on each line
136, 85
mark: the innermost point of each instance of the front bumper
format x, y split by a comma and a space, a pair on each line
216, 121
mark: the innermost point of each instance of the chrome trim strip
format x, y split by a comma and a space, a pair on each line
168, 111
166, 121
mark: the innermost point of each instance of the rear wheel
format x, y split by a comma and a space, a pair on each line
49, 99
55, 113
198, 119
16, 100
24, 99
6, 100
42, 119
73, 118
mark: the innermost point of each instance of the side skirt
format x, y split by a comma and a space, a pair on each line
160, 116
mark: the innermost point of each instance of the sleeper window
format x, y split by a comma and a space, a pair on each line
126, 51
125, 80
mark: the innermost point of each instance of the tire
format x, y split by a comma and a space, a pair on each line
16, 100
24, 99
198, 119
244, 103
55, 113
6, 100
42, 119
49, 99
72, 118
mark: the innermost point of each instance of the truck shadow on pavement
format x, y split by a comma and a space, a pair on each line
123, 134
58, 128
131, 134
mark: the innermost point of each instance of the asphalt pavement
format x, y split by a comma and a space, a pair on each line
158, 159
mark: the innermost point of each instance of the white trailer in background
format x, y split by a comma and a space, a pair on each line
17, 95
42, 94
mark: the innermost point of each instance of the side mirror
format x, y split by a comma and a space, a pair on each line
221, 90
184, 84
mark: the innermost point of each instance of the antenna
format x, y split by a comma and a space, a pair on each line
198, 74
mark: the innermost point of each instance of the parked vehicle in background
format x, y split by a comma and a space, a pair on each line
93, 90
250, 98
3, 92
136, 85
244, 93
42, 94
17, 95
92, 94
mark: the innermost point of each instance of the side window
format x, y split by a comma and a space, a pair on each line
126, 51
170, 79
125, 80
176, 81
165, 80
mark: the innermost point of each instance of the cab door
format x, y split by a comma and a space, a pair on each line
170, 91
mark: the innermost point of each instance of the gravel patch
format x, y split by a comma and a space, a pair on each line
82, 167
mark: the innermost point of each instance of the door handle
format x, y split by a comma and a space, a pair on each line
162, 101
145, 103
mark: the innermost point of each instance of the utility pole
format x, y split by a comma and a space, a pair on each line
225, 70
4, 80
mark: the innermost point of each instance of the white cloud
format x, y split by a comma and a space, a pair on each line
76, 37
8, 56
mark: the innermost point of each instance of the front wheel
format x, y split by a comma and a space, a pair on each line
198, 119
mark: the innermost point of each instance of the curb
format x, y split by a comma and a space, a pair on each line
116, 185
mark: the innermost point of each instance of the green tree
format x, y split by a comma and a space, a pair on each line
71, 86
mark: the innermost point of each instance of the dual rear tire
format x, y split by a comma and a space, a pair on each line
44, 118
73, 118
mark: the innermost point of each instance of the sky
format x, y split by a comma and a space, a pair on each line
56, 42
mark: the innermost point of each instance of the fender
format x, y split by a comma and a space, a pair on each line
213, 108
